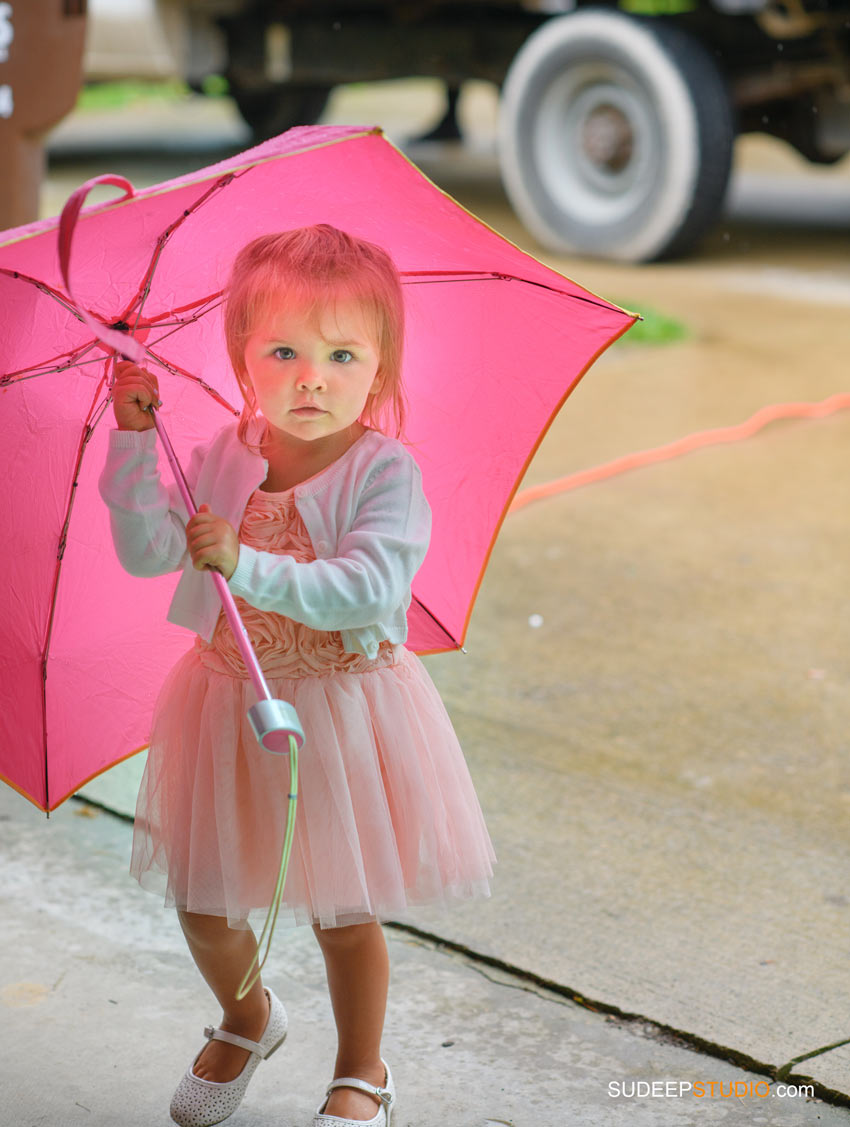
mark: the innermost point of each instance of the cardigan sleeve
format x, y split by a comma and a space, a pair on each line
148, 520
376, 560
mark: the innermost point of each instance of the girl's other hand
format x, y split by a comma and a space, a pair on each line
212, 542
133, 390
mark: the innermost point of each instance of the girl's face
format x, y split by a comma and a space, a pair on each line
312, 372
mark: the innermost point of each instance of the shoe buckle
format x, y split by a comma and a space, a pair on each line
385, 1095
208, 1031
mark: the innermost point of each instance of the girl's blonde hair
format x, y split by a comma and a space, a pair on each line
314, 267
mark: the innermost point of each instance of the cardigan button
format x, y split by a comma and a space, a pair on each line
322, 548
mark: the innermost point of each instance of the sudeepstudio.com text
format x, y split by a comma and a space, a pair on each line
707, 1090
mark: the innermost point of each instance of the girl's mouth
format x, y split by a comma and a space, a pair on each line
308, 412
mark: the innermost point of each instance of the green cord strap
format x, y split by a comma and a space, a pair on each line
271, 919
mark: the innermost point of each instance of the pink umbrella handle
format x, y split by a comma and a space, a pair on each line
273, 721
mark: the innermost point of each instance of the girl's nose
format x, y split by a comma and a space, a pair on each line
310, 377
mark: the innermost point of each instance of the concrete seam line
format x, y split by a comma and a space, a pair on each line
666, 1033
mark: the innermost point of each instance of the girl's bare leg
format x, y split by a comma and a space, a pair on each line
358, 978
223, 955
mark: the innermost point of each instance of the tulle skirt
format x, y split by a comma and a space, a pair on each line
387, 814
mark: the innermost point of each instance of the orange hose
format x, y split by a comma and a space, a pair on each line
680, 447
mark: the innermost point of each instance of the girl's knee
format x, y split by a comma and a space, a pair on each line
345, 938
205, 930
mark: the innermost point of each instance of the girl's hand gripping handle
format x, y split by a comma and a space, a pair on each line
212, 542
134, 389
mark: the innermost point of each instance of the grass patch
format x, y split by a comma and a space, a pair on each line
655, 328
118, 95
102, 96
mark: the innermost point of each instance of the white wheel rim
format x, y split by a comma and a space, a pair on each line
603, 183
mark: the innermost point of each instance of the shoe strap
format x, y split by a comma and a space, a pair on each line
383, 1094
234, 1039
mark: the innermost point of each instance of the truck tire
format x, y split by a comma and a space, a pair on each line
616, 136
274, 108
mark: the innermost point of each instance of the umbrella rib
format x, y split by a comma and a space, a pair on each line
434, 618
202, 307
176, 326
176, 370
143, 291
87, 433
441, 277
88, 430
47, 290
198, 303
42, 370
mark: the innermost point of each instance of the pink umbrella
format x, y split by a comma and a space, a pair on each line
495, 343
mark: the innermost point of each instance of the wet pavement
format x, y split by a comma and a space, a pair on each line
654, 707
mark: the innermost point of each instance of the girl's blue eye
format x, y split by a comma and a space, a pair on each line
284, 352
341, 356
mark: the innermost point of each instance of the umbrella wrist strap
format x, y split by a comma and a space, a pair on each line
257, 963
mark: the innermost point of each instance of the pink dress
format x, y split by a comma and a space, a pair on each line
387, 814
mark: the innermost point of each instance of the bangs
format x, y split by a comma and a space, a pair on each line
316, 301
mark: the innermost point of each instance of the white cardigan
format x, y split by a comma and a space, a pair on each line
366, 516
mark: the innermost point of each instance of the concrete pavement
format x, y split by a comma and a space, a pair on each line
102, 1009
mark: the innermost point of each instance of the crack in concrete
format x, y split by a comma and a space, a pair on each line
784, 1071
555, 992
646, 1027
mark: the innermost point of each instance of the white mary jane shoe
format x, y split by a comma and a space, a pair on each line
201, 1103
386, 1095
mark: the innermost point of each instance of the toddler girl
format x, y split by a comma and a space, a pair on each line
317, 520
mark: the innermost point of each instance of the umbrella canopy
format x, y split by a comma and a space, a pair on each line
495, 342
